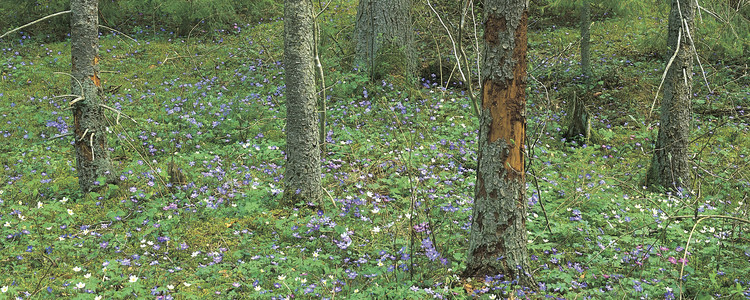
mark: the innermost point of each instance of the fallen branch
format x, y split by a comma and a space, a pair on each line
721, 112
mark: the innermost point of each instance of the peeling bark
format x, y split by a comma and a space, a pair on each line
92, 154
670, 166
302, 183
497, 244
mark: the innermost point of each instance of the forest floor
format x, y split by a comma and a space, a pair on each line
398, 173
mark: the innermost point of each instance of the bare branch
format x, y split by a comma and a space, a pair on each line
458, 54
322, 10
91, 144
84, 134
119, 113
34, 22
695, 51
663, 76
76, 100
117, 31
80, 85
70, 95
61, 135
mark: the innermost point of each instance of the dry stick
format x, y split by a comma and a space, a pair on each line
663, 76
684, 254
687, 244
457, 54
531, 147
60, 135
332, 200
669, 64
476, 45
539, 195
80, 85
34, 22
119, 113
37, 289
117, 31
695, 51
466, 79
145, 160
321, 77
187, 43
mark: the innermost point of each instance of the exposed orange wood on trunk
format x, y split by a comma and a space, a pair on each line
506, 102
96, 80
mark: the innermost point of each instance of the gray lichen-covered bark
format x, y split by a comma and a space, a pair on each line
497, 244
92, 154
670, 166
384, 23
302, 183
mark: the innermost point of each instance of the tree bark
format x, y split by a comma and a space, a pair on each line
497, 243
384, 31
302, 174
586, 42
579, 121
92, 154
670, 166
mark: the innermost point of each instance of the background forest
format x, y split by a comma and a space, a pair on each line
199, 150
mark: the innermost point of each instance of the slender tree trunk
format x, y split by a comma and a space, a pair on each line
497, 244
302, 182
384, 30
92, 154
579, 121
670, 166
586, 42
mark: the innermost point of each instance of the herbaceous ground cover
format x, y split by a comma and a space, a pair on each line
399, 175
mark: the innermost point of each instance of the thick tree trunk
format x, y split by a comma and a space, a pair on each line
497, 244
670, 166
92, 154
302, 182
385, 36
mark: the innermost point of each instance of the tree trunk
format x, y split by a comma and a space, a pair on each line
670, 166
579, 121
586, 42
385, 39
497, 244
92, 154
302, 175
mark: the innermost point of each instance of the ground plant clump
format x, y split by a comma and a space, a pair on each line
198, 145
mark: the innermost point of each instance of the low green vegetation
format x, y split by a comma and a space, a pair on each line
398, 171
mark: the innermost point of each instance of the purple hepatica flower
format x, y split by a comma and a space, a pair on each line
576, 215
104, 245
345, 241
637, 286
421, 227
430, 251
